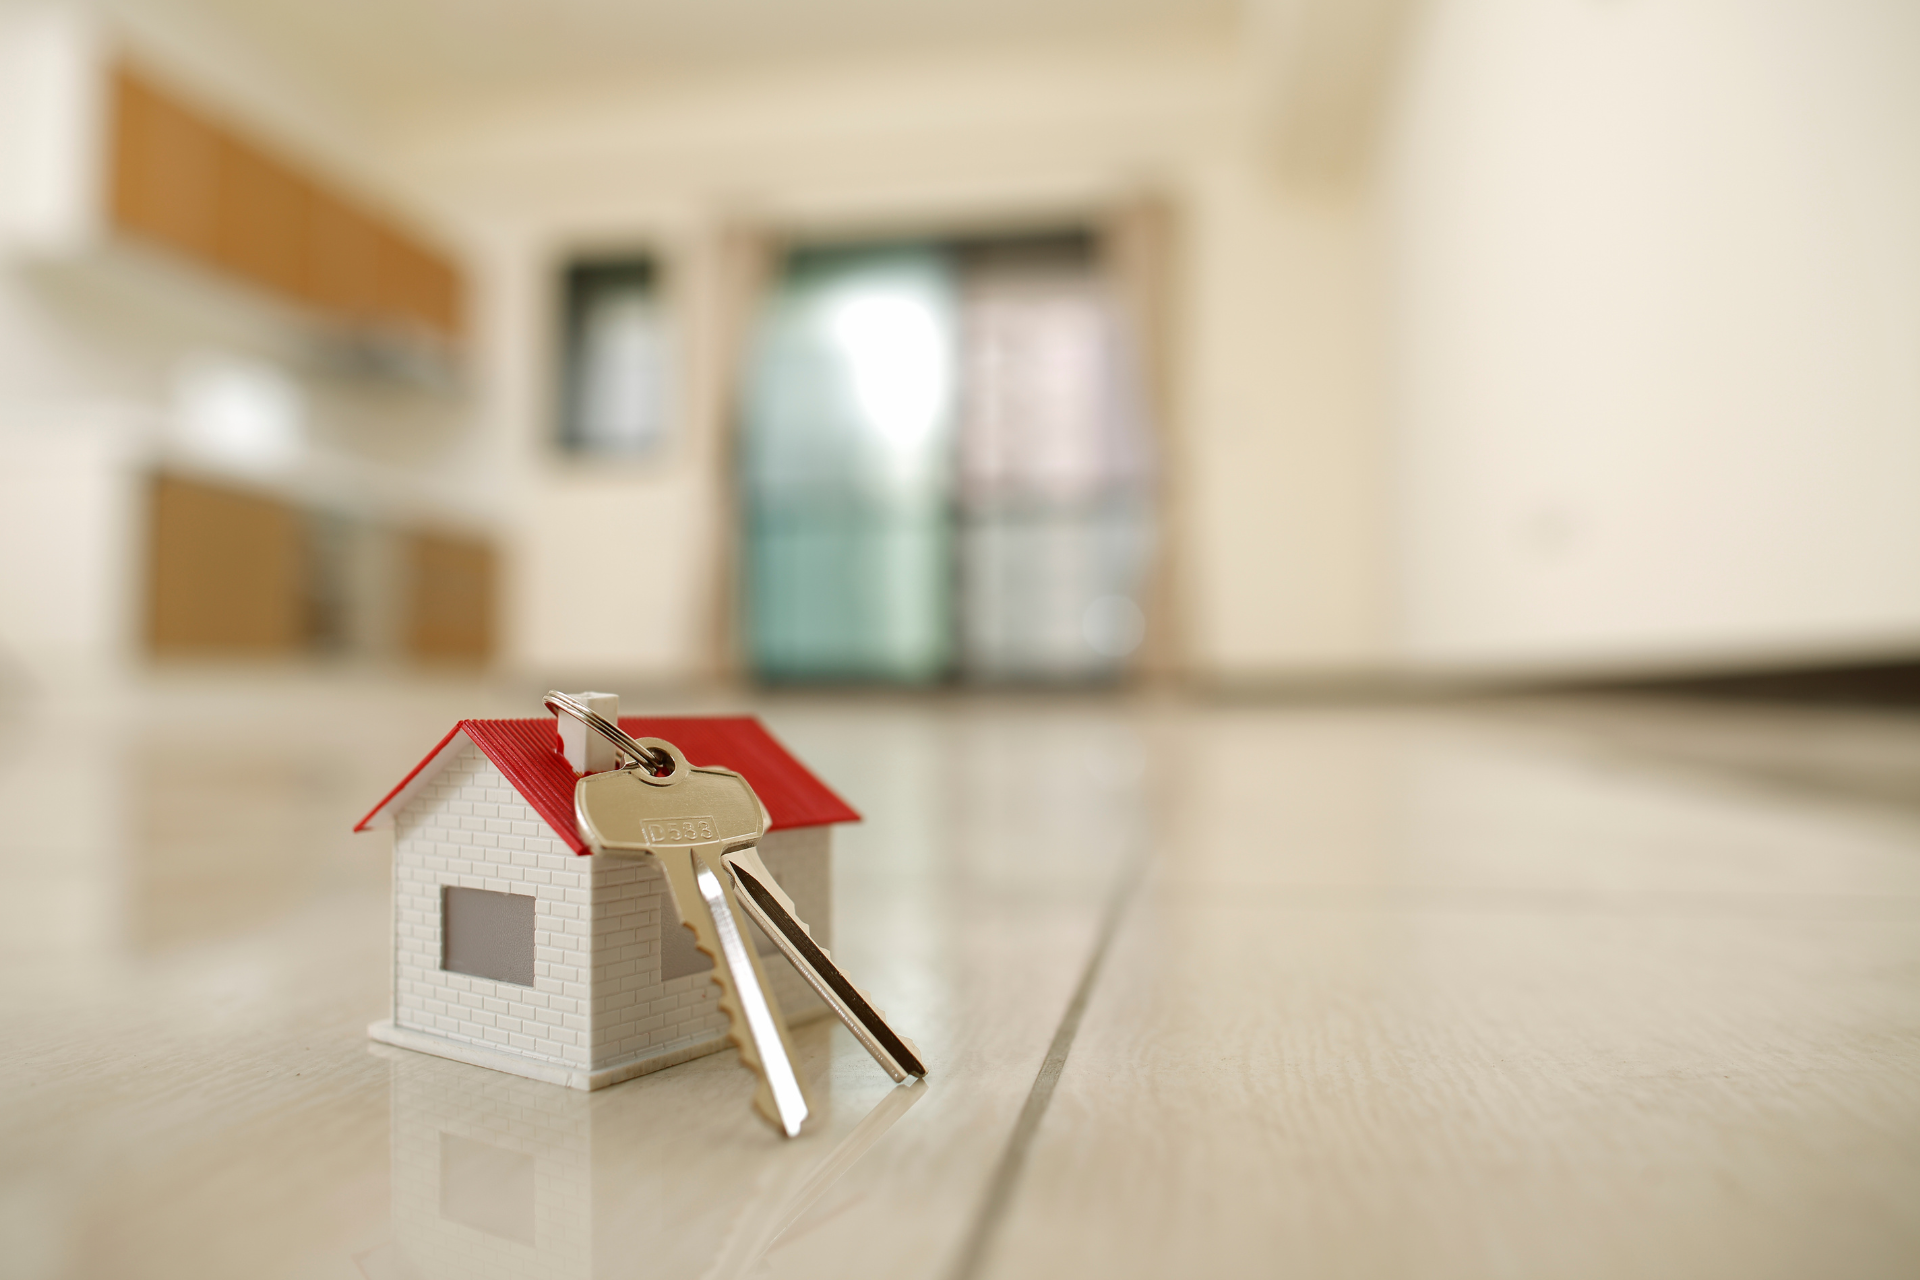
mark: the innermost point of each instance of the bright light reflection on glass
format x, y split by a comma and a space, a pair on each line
848, 467
897, 354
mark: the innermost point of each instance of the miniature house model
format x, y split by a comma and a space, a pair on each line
517, 948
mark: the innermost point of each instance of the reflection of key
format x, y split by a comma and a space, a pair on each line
687, 818
772, 910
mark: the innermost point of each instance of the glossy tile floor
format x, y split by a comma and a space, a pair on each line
1516, 989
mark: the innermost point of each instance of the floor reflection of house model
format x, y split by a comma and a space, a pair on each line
517, 949
500, 1177
494, 1176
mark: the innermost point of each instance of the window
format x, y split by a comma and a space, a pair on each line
614, 380
678, 954
1054, 494
947, 469
486, 934
848, 460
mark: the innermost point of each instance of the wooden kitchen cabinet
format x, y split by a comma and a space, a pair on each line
450, 598
198, 187
226, 572
343, 251
413, 286
260, 211
165, 169
232, 571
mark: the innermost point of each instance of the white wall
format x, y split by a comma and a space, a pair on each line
1656, 299
1275, 521
1281, 536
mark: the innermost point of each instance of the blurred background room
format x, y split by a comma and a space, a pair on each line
983, 392
1239, 346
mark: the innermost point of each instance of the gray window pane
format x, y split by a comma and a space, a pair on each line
680, 957
616, 372
487, 934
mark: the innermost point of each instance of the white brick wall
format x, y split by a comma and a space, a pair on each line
470, 827
634, 1013
597, 1000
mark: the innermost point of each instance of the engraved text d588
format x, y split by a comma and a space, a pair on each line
618, 812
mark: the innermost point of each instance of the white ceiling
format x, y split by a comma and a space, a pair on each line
385, 53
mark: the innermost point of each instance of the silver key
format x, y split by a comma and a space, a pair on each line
644, 810
773, 911
687, 818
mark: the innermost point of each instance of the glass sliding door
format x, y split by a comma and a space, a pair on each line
847, 470
946, 468
1054, 469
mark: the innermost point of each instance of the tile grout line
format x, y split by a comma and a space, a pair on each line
998, 1200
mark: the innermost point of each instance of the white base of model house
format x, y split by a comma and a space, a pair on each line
385, 1032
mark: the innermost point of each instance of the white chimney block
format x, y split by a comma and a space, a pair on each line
587, 751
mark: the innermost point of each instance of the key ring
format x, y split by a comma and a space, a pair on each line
649, 758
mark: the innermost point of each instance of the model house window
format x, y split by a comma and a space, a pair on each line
487, 934
614, 379
680, 957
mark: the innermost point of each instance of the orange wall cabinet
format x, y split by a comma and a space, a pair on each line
344, 266
260, 217
165, 170
232, 573
190, 184
449, 601
226, 572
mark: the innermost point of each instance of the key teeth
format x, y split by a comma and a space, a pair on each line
764, 878
750, 859
739, 1033
912, 1048
737, 1029
741, 1037
742, 1040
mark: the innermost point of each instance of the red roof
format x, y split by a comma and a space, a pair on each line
528, 753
